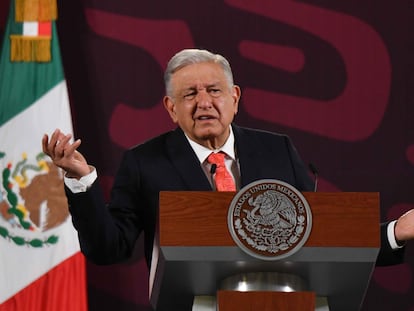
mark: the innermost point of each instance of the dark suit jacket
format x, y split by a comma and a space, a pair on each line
167, 162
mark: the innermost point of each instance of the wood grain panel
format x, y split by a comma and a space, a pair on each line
340, 219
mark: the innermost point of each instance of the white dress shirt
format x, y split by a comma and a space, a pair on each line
230, 159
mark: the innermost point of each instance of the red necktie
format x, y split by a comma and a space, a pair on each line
223, 179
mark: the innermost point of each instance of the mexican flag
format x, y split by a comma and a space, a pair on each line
41, 267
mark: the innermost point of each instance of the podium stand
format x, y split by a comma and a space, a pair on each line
194, 251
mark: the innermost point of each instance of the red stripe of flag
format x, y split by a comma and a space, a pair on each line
45, 29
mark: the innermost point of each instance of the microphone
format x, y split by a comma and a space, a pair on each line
213, 168
212, 172
315, 175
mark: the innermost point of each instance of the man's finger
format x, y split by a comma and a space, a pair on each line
70, 149
45, 141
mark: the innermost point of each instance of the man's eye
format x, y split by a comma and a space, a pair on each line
189, 96
215, 92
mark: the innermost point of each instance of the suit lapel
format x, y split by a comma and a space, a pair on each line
247, 153
186, 162
188, 166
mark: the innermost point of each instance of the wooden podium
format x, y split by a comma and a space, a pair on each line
194, 251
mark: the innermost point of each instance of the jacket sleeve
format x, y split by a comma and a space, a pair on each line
107, 232
387, 255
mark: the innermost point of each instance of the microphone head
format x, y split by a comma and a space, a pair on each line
213, 168
313, 169
315, 174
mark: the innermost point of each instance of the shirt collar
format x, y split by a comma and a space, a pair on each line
203, 152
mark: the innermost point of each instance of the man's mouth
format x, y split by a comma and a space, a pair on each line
202, 118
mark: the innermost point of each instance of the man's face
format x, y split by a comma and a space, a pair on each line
202, 103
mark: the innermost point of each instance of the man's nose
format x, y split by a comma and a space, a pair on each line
203, 99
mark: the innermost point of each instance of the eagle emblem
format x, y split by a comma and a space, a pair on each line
269, 219
32, 201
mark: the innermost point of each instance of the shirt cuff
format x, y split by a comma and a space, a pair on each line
391, 236
82, 184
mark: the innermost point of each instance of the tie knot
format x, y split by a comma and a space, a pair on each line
216, 158
222, 178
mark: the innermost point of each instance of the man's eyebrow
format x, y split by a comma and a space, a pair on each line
190, 88
194, 87
213, 84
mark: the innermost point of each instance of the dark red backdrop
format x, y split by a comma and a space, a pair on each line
337, 76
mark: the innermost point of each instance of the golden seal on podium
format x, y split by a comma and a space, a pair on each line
269, 219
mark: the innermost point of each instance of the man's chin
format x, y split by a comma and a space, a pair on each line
209, 137
207, 134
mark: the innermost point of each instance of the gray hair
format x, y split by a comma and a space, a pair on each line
194, 56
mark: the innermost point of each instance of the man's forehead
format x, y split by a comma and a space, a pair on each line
199, 75
197, 85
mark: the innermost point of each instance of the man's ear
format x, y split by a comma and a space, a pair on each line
170, 107
236, 96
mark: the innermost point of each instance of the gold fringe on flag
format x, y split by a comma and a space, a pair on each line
30, 49
36, 10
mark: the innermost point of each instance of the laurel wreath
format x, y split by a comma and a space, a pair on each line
18, 240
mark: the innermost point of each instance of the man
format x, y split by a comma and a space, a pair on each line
202, 100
